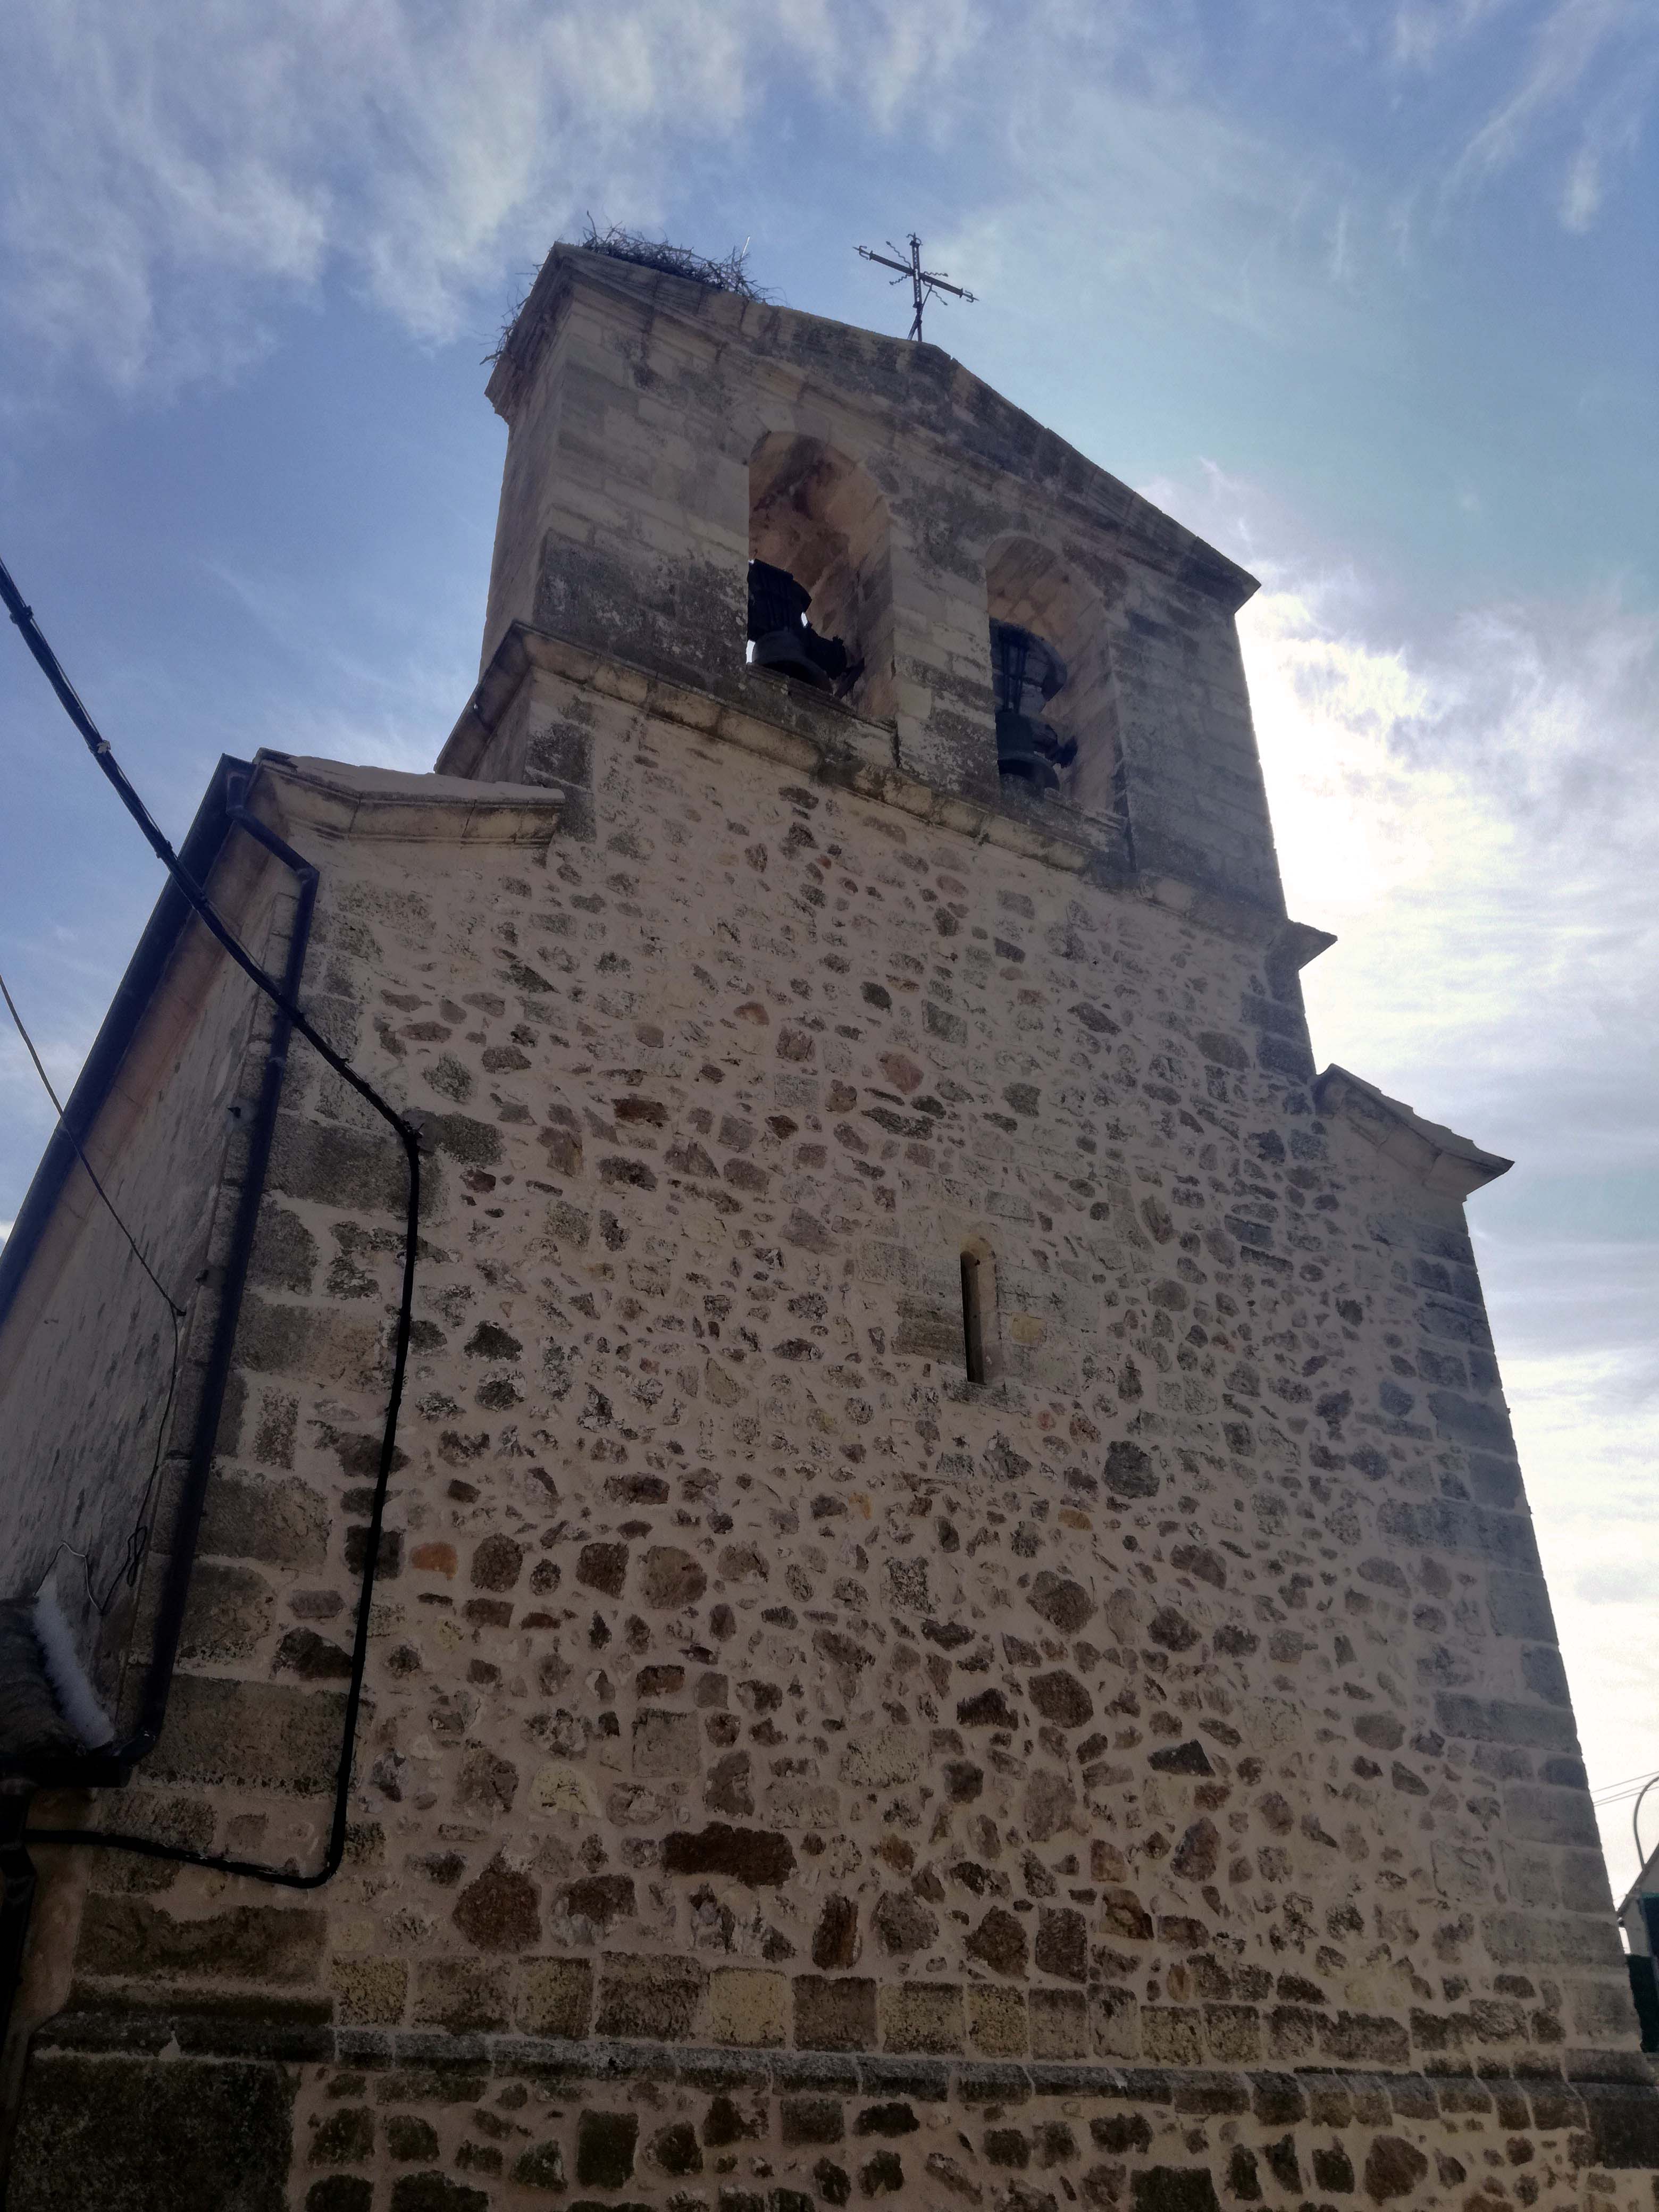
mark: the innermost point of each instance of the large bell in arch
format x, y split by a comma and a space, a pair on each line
1026, 672
785, 642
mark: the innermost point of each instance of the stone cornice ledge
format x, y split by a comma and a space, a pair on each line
1436, 1156
341, 800
1612, 2092
813, 738
821, 741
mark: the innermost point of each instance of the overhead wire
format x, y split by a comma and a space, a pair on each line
1627, 1784
99, 746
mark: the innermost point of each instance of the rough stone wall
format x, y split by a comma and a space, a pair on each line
87, 1351
635, 403
792, 1773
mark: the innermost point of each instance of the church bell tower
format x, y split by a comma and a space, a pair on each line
959, 1618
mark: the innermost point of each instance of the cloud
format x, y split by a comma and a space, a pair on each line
174, 177
168, 171
1613, 45
1468, 803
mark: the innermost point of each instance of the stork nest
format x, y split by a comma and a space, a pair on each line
729, 275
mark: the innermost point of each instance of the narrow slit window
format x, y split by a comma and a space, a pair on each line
975, 1285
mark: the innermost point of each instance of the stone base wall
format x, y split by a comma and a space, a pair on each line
435, 2123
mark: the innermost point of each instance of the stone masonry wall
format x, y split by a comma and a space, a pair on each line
792, 1774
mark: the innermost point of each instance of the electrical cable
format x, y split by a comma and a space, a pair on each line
1629, 1782
1635, 1815
1623, 1796
137, 1541
97, 745
177, 1310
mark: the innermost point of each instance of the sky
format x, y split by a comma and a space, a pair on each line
1364, 291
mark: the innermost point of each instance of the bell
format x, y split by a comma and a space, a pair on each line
784, 640
1026, 672
783, 652
1020, 751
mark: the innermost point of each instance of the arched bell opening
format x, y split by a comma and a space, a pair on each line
820, 585
1051, 675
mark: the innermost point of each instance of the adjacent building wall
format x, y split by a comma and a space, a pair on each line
87, 1345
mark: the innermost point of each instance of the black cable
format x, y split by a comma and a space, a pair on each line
137, 1541
177, 1310
145, 1846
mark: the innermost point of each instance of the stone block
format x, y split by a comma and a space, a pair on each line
152, 2134
1059, 2024
554, 1997
328, 1163
315, 1343
466, 1995
368, 1991
247, 1516
997, 2021
1624, 2124
1519, 1605
748, 2006
1465, 1420
1172, 2035
1604, 2011
230, 1609
1114, 2023
667, 1745
812, 2120
657, 1999
921, 2017
834, 2014
345, 2136
262, 1735
1565, 1939
1535, 1813
605, 2143
1173, 2189
1233, 2034
1364, 2039
1503, 1720
122, 1935
1544, 1675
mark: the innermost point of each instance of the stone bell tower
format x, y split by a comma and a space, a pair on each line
959, 1620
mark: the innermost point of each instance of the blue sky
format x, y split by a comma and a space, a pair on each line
1367, 291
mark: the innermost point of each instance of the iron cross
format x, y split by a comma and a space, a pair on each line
924, 283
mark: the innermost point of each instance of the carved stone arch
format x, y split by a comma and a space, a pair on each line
818, 512
1029, 585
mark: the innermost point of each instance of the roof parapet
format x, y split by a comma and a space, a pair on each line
1441, 1160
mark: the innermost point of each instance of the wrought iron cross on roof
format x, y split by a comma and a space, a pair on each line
925, 283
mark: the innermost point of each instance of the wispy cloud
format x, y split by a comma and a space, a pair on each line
170, 176
1607, 50
167, 172
1469, 806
